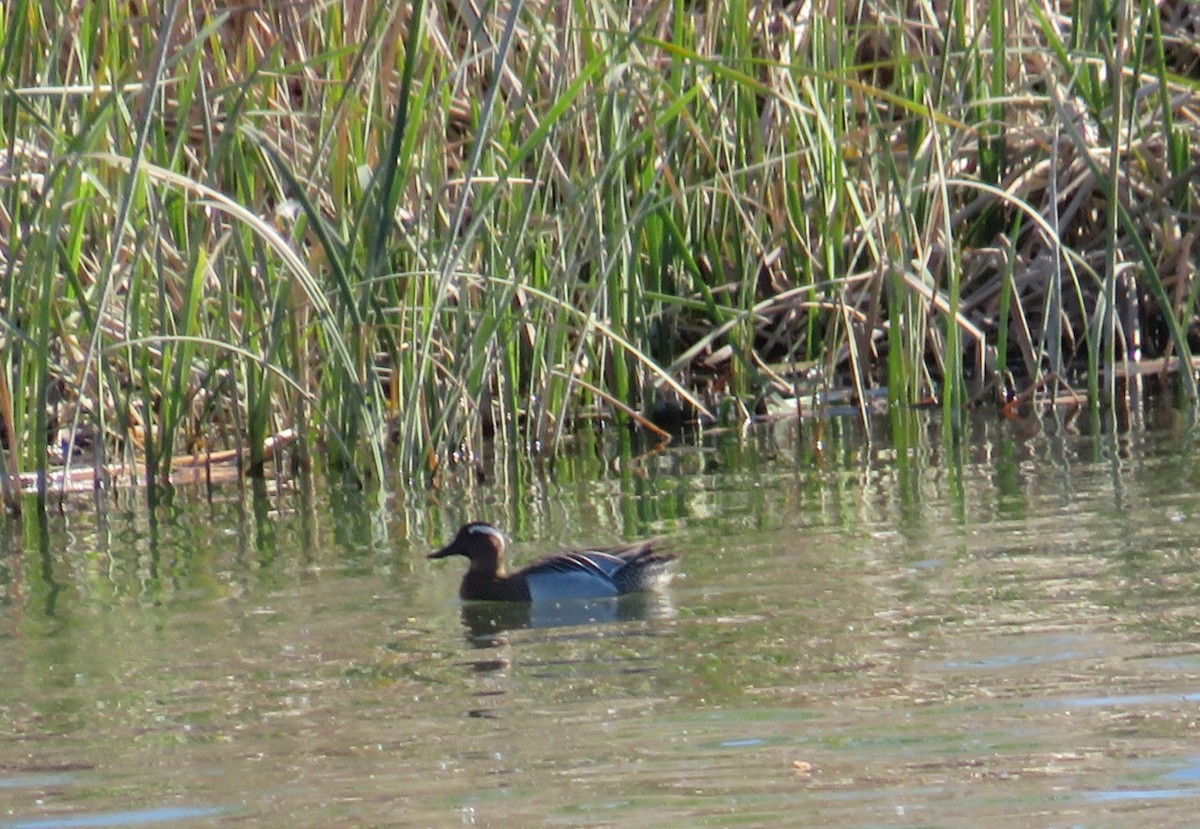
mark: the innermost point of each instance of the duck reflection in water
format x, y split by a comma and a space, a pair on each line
483, 620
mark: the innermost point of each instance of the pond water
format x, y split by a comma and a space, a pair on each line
867, 630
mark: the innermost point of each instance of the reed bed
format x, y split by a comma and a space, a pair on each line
436, 223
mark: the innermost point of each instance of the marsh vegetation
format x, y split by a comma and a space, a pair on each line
439, 223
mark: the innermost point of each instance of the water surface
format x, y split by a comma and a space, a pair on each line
861, 635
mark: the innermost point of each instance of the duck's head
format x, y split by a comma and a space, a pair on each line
480, 542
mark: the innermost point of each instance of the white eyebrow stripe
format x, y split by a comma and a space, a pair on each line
486, 529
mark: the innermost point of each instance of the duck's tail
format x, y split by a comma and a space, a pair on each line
648, 568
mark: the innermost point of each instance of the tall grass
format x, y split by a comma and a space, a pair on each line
445, 221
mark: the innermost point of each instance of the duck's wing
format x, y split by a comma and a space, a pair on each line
584, 574
591, 574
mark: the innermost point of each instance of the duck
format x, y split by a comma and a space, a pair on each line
606, 572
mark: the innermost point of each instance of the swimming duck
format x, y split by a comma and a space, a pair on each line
575, 574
